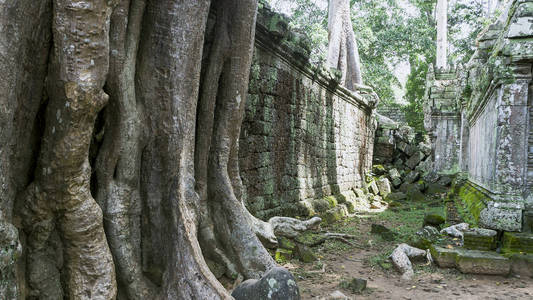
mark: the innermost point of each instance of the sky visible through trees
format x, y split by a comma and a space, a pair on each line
396, 38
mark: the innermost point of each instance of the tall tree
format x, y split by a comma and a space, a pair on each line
128, 175
442, 34
343, 53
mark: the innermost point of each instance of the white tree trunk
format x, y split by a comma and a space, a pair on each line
442, 34
343, 53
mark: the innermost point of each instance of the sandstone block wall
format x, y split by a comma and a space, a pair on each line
303, 136
442, 120
392, 111
494, 105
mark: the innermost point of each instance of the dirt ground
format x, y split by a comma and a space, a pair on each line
368, 260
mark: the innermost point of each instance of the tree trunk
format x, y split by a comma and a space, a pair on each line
226, 226
442, 34
343, 53
164, 172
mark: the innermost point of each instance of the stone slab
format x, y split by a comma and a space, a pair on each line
482, 262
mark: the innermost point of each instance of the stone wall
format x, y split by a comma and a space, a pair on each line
442, 119
493, 108
303, 136
392, 111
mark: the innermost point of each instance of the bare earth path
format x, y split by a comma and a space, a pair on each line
368, 261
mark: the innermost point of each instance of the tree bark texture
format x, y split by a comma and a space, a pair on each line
343, 53
119, 153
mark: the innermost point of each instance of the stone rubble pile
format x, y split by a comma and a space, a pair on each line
403, 164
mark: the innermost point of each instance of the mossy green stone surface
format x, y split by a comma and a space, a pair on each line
514, 242
475, 240
444, 257
468, 201
286, 243
283, 255
305, 254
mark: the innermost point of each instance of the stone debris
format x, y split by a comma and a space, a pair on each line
277, 284
337, 295
354, 285
456, 230
401, 256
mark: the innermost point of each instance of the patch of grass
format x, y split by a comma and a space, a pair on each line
405, 223
382, 259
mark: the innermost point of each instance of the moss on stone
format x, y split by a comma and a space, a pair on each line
283, 255
469, 202
514, 242
332, 201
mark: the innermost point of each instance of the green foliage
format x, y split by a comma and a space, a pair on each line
415, 89
387, 33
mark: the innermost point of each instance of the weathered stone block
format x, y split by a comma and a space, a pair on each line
517, 242
502, 216
384, 186
305, 254
520, 28
444, 257
276, 284
373, 187
415, 195
395, 196
480, 239
414, 160
482, 262
433, 220
411, 177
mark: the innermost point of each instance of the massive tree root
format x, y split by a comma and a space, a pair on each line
121, 126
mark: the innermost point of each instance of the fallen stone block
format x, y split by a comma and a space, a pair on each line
283, 255
401, 259
411, 177
425, 148
456, 230
335, 214
382, 231
373, 187
354, 285
395, 196
305, 254
444, 257
337, 295
480, 239
444, 180
482, 262
384, 186
433, 220
277, 284
378, 170
415, 159
425, 237
502, 216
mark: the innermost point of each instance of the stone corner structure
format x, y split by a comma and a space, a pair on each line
480, 119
